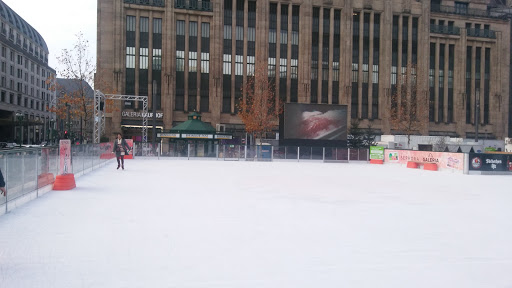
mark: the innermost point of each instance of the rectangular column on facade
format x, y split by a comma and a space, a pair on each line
289, 54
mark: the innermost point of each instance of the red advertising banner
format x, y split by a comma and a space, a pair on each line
443, 160
106, 150
65, 157
130, 153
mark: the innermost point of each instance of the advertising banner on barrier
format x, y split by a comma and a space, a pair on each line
130, 144
65, 157
490, 162
376, 152
445, 160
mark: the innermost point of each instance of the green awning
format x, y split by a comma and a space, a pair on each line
193, 125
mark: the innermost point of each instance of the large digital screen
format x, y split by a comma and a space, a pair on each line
315, 121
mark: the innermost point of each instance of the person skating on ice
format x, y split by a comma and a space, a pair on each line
121, 148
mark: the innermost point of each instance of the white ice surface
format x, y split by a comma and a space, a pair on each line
222, 224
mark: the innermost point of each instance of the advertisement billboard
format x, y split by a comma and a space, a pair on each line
65, 157
377, 152
444, 160
321, 122
490, 162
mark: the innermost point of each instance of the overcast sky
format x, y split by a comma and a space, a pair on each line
58, 22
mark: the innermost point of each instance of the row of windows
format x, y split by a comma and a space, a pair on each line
23, 101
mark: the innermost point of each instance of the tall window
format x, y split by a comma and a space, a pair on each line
355, 66
251, 37
179, 100
451, 65
314, 55
239, 46
325, 54
130, 59
487, 84
366, 63
205, 67
478, 77
336, 58
283, 53
469, 51
440, 104
157, 61
376, 59
143, 57
192, 66
294, 65
227, 50
272, 39
394, 62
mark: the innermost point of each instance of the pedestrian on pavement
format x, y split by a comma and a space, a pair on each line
121, 148
2, 184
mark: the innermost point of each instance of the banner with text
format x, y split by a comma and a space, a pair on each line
446, 160
65, 157
490, 162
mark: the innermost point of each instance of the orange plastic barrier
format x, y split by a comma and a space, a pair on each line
64, 182
376, 161
430, 166
412, 164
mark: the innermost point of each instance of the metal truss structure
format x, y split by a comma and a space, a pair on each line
99, 115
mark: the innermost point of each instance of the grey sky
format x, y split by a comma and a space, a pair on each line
58, 22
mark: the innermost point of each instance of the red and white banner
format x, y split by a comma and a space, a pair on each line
65, 157
444, 160
130, 144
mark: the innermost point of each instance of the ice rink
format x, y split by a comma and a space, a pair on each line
219, 224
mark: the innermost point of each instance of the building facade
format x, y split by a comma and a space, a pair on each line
25, 95
197, 55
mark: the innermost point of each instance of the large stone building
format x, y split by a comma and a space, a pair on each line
24, 93
196, 55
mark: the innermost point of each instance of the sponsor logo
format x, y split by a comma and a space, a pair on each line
476, 163
492, 161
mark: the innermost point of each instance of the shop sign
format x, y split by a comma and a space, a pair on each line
223, 137
141, 114
168, 135
377, 152
197, 136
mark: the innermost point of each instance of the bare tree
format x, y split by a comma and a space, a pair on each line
409, 105
259, 109
79, 66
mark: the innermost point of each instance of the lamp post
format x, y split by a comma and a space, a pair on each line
477, 112
153, 106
